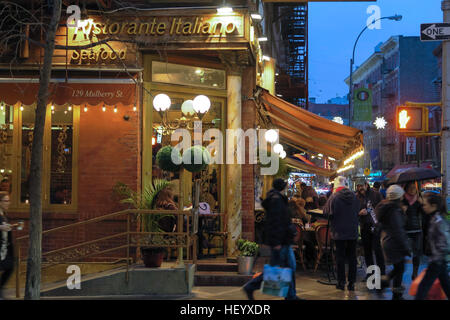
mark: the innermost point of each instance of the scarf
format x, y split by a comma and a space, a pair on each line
411, 199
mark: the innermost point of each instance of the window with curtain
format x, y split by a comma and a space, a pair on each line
6, 147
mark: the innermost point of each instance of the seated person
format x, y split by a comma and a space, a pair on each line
165, 201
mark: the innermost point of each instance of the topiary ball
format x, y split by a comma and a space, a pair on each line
164, 159
196, 152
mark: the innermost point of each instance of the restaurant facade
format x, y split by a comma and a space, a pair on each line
102, 126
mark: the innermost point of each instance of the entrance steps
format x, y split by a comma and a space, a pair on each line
219, 272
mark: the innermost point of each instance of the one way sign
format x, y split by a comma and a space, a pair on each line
434, 31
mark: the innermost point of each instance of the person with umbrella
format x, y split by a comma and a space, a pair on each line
413, 175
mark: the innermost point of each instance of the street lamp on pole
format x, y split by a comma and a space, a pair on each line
352, 61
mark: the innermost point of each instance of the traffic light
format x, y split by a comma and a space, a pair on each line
412, 119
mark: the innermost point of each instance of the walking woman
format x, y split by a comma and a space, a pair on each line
394, 240
438, 239
6, 246
413, 214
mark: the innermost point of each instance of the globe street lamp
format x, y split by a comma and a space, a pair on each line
352, 60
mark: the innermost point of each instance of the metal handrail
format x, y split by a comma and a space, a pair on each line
190, 243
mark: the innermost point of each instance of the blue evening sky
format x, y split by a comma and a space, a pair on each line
334, 27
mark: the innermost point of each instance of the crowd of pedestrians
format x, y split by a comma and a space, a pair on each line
394, 223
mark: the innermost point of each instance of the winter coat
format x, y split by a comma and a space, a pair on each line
366, 221
6, 245
438, 238
413, 216
393, 235
277, 219
343, 208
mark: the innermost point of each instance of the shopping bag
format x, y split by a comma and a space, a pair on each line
276, 280
435, 293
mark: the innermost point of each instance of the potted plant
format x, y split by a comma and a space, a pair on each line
152, 256
248, 252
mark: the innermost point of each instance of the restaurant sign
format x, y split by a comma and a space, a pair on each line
127, 33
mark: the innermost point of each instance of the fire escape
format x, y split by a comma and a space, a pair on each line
292, 81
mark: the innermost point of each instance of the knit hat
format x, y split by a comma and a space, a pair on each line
339, 182
279, 184
394, 192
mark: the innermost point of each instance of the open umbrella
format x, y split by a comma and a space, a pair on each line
414, 174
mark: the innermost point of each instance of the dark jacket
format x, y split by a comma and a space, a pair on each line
366, 221
413, 216
343, 208
6, 239
437, 238
277, 219
393, 235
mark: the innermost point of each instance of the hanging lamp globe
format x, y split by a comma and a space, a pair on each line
277, 148
271, 136
161, 102
201, 104
187, 108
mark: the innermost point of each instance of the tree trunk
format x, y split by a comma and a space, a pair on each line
33, 279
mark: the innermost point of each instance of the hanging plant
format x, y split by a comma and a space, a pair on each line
196, 152
164, 159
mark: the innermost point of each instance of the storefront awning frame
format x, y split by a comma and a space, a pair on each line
306, 131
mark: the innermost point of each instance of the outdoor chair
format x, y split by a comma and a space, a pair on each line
299, 246
323, 244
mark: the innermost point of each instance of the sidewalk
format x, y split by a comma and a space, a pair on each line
307, 288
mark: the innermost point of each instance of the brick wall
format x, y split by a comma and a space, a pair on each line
107, 153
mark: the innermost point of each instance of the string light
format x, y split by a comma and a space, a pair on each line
104, 108
85, 108
134, 108
21, 108
345, 168
69, 108
353, 157
115, 109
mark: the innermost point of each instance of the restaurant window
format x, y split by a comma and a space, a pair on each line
187, 75
27, 127
58, 155
61, 156
6, 147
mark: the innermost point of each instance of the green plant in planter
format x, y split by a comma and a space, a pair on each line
196, 152
164, 159
247, 248
145, 200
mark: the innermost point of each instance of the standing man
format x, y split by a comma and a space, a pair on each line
343, 207
370, 232
279, 235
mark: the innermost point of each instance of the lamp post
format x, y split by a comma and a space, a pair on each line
352, 61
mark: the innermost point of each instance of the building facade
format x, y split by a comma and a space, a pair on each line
101, 124
401, 69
